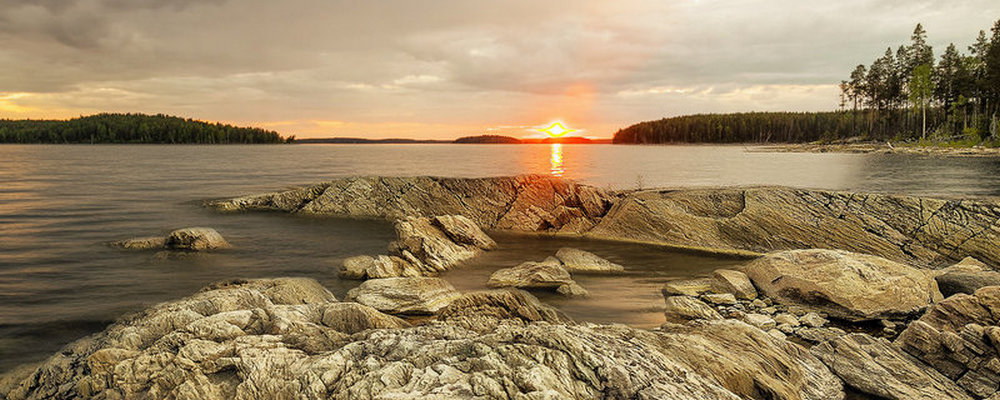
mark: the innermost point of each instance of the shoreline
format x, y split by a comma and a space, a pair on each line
877, 148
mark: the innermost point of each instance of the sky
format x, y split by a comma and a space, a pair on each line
447, 68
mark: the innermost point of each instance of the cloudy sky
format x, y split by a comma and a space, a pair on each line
446, 68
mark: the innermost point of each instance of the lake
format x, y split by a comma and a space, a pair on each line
60, 204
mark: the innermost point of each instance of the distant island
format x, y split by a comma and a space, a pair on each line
132, 128
488, 139
355, 140
481, 139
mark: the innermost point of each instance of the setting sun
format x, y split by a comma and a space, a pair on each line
557, 130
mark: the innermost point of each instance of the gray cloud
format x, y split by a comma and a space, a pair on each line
449, 62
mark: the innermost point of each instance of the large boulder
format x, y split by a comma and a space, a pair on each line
845, 285
483, 310
421, 295
195, 239
960, 338
876, 367
186, 239
576, 260
548, 274
424, 246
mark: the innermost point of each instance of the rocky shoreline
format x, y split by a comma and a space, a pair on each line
894, 297
881, 148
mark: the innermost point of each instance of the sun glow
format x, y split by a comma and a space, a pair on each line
556, 130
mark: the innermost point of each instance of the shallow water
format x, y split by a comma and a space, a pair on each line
60, 204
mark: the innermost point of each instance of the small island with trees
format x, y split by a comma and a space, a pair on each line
132, 128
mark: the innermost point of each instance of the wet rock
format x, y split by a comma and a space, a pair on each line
959, 337
462, 230
419, 295
688, 287
876, 367
142, 243
681, 309
576, 260
846, 285
735, 282
572, 290
195, 239
548, 274
357, 267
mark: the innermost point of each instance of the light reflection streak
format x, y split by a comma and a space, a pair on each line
556, 160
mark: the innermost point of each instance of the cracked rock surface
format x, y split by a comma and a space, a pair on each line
289, 338
916, 230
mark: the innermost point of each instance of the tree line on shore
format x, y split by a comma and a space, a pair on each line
132, 128
905, 94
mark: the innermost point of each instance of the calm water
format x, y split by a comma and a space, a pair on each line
59, 204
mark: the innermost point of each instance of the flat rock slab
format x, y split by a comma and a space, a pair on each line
576, 260
681, 309
879, 368
845, 285
419, 296
548, 274
185, 239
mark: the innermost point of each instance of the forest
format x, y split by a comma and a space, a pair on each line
132, 128
907, 94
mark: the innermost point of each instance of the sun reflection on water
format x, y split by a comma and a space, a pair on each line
557, 160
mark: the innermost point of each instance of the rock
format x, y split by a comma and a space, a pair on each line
482, 310
428, 242
575, 260
735, 282
959, 337
232, 341
687, 287
548, 274
142, 243
850, 286
573, 290
968, 264
461, 230
681, 309
420, 296
819, 335
876, 367
966, 282
195, 239
523, 203
813, 320
351, 318
777, 334
761, 321
746, 221
357, 267
720, 299
423, 247
907, 229
750, 362
787, 319
758, 303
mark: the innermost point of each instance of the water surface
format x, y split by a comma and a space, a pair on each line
59, 204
